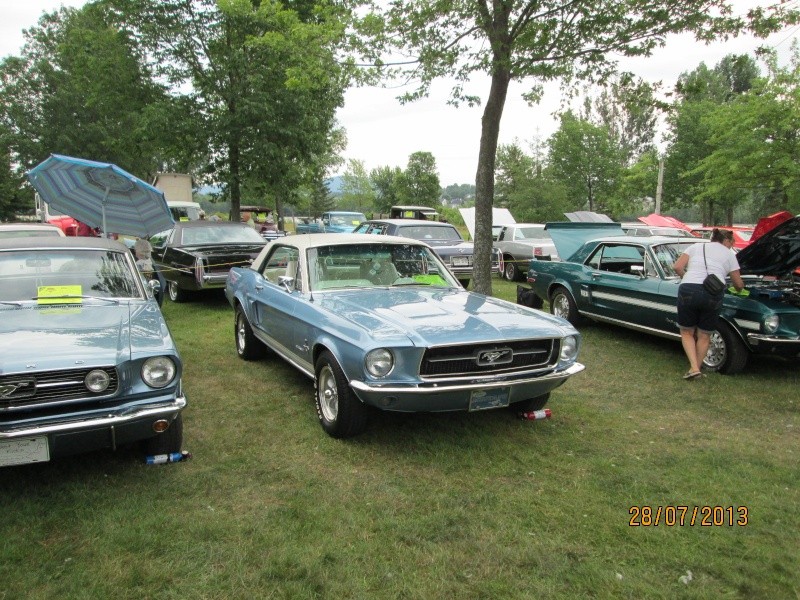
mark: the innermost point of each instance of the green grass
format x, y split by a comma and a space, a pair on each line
425, 506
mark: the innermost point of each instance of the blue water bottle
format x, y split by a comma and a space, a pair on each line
160, 459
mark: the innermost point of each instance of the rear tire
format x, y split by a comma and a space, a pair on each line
248, 346
340, 412
510, 270
562, 305
175, 293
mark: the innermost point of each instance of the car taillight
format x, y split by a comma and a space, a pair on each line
537, 251
199, 270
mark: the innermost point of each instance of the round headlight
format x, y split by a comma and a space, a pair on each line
771, 323
158, 371
379, 362
569, 348
97, 381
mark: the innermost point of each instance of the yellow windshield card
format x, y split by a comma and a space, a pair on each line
58, 294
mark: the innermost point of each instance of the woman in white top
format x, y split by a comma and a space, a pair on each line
698, 311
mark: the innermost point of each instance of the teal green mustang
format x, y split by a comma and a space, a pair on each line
629, 281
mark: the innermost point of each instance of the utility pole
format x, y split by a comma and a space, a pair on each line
660, 185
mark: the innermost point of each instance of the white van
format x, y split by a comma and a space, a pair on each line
184, 211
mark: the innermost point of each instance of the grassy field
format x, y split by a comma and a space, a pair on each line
423, 506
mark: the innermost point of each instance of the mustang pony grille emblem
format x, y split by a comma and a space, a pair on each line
497, 356
18, 389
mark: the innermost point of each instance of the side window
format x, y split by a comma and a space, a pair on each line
282, 261
594, 259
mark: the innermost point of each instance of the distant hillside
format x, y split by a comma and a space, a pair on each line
335, 185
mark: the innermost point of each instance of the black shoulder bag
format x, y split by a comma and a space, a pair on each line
712, 284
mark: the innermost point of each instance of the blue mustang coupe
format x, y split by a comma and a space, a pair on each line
379, 321
86, 359
629, 281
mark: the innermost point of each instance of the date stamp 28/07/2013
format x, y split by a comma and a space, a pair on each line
680, 516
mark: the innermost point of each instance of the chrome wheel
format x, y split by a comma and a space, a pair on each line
328, 394
561, 306
717, 352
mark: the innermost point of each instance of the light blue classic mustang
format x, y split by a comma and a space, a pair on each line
86, 359
381, 322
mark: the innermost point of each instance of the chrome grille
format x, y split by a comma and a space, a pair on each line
489, 359
22, 390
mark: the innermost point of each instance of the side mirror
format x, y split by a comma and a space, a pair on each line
287, 282
154, 285
639, 271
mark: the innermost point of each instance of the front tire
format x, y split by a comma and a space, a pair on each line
248, 346
562, 305
167, 442
726, 353
531, 404
340, 413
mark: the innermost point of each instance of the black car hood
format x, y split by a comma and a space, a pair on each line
777, 252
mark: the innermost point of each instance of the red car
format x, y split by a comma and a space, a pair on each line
741, 235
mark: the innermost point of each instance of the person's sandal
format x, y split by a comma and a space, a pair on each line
692, 374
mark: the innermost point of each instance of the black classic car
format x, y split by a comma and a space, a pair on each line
629, 281
444, 238
197, 255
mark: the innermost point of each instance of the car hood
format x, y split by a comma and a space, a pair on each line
436, 316
777, 252
61, 337
655, 220
569, 237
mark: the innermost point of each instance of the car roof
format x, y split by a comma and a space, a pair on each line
199, 223
36, 243
410, 222
312, 240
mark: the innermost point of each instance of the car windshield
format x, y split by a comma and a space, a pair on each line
348, 219
52, 275
376, 265
220, 234
429, 232
667, 254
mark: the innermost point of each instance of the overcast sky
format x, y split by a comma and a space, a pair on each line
381, 132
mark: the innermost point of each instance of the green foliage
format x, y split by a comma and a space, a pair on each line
588, 163
459, 191
526, 189
357, 192
385, 181
755, 144
81, 88
419, 183
265, 81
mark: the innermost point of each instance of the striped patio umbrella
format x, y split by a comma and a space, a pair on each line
101, 195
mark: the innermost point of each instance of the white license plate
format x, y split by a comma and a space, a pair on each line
24, 451
460, 261
486, 399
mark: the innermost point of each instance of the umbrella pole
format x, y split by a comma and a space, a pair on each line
103, 209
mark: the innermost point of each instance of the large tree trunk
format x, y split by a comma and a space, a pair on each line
484, 180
